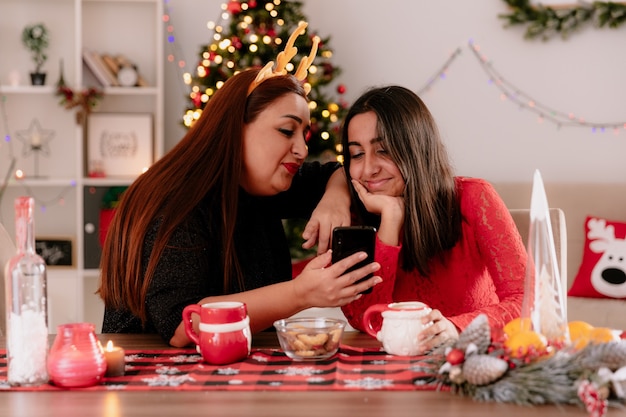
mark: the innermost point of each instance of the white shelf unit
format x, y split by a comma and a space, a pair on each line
133, 28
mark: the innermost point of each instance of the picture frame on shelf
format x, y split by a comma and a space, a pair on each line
56, 251
119, 144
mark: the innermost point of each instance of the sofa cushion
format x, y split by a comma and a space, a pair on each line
602, 272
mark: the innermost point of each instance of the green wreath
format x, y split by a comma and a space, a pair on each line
546, 22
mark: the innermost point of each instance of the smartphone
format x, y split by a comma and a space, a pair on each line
348, 240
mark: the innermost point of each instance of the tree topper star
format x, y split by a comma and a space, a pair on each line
35, 138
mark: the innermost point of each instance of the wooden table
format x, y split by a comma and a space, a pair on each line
258, 403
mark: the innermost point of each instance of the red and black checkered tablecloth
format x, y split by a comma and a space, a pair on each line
265, 369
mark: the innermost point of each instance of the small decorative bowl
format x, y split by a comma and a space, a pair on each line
309, 338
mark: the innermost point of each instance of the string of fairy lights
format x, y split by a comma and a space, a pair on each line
517, 96
441, 72
508, 92
174, 54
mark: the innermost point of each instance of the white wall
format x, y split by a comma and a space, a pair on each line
407, 41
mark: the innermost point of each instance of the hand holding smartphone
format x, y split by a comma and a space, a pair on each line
348, 240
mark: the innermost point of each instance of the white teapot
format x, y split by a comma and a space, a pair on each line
401, 326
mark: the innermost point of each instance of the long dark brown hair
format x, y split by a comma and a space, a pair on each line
409, 134
208, 160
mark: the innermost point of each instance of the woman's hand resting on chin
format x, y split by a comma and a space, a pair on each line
390, 209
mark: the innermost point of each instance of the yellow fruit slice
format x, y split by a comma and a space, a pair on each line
602, 335
580, 333
525, 341
516, 326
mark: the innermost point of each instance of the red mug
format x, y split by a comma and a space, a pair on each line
224, 326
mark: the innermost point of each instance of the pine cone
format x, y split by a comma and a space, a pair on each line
477, 332
611, 355
483, 369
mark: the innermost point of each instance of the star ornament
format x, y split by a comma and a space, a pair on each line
35, 139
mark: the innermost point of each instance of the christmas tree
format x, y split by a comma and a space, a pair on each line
253, 33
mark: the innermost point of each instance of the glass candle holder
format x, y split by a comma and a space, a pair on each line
76, 359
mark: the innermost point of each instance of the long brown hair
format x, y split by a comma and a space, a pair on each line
410, 136
208, 160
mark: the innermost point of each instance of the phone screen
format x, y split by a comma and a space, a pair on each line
348, 240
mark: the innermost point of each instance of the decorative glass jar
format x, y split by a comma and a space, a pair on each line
76, 358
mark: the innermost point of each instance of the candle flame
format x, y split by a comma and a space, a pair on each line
109, 346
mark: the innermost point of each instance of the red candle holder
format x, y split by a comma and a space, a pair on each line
76, 359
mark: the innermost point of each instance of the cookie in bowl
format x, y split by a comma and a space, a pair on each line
309, 338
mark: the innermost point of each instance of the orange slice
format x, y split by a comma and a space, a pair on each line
602, 335
525, 341
580, 333
517, 325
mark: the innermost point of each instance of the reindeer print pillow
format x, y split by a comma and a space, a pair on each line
602, 273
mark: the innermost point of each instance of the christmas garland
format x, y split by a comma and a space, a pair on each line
545, 22
478, 365
85, 100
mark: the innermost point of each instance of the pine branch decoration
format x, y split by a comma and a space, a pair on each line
566, 376
610, 355
551, 381
546, 22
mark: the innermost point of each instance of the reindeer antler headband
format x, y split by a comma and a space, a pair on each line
285, 57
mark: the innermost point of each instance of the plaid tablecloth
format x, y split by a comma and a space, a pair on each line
265, 369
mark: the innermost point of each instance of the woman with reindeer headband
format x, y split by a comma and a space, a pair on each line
203, 224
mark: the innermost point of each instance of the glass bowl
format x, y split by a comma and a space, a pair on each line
309, 338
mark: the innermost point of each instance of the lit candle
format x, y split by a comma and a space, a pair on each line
116, 363
36, 140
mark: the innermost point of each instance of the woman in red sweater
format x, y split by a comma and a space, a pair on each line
447, 241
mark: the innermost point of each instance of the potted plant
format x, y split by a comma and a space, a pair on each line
35, 38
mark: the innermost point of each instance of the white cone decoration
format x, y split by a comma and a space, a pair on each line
544, 295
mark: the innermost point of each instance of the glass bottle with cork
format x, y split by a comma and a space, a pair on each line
26, 304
